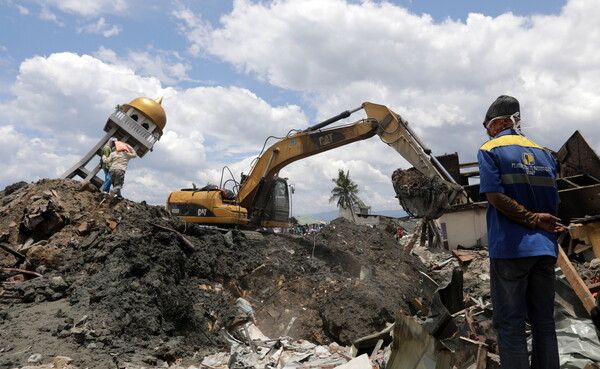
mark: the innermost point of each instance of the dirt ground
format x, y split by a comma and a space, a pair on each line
123, 283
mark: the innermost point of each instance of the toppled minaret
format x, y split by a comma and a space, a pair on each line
139, 123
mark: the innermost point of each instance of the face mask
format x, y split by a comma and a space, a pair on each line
499, 124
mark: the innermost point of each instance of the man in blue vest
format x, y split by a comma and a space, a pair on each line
518, 178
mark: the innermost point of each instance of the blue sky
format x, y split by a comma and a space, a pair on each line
233, 73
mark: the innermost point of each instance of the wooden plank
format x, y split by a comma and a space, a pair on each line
464, 256
481, 361
581, 290
413, 240
418, 303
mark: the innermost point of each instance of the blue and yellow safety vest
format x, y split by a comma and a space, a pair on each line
519, 168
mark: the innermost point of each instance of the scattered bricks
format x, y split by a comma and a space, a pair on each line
84, 229
112, 225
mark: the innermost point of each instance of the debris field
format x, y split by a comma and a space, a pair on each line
110, 284
91, 282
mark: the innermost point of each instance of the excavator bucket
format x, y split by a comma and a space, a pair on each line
427, 190
423, 196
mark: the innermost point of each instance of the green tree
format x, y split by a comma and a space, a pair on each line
345, 191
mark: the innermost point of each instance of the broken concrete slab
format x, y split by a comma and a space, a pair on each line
414, 347
359, 362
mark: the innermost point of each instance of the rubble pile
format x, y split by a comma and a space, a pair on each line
122, 284
87, 281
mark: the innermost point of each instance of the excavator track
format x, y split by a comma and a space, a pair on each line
253, 235
249, 234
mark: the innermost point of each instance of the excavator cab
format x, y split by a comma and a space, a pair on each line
272, 204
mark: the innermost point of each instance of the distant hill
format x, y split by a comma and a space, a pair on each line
328, 216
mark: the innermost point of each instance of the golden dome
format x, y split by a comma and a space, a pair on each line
151, 109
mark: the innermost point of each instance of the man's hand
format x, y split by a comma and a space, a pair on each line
549, 223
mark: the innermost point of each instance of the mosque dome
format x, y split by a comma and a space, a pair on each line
152, 109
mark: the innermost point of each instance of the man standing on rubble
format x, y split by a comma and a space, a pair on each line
106, 150
518, 178
118, 159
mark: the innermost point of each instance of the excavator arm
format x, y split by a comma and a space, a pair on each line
393, 130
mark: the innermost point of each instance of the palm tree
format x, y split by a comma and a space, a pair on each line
344, 192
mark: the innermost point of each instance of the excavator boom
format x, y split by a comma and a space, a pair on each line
300, 146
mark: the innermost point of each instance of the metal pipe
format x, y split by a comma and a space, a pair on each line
414, 135
327, 122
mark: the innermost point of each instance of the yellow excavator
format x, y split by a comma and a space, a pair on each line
263, 199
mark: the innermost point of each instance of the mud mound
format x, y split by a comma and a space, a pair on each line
343, 283
123, 282
382, 278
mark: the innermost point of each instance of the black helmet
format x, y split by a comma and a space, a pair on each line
504, 106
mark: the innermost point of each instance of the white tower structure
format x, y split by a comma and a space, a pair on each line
139, 123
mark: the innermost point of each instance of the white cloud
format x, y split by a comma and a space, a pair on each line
66, 120
22, 10
27, 158
47, 15
66, 93
101, 27
87, 8
193, 27
168, 66
441, 76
